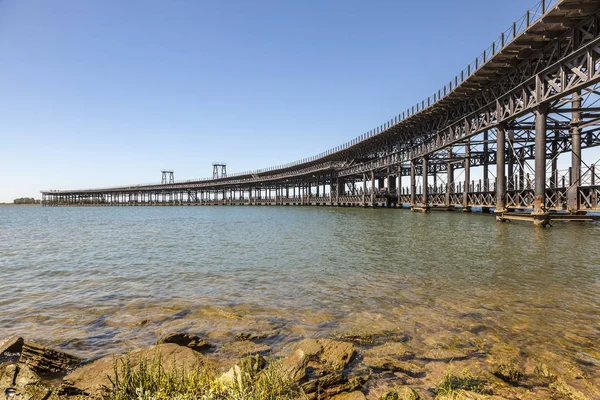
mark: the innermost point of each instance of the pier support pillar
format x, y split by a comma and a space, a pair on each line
364, 190
500, 170
575, 179
449, 180
373, 189
486, 167
425, 202
540, 213
413, 185
465, 199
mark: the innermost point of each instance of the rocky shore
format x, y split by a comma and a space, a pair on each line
382, 365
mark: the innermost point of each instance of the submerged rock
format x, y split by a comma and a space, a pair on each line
185, 339
444, 355
392, 364
393, 349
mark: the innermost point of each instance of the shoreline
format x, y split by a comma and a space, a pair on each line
378, 365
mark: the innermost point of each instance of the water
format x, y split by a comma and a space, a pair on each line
98, 280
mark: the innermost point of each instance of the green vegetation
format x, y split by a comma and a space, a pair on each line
451, 386
153, 380
26, 200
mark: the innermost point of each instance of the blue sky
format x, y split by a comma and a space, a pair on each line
101, 93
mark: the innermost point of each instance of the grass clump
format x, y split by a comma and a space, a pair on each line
452, 386
154, 379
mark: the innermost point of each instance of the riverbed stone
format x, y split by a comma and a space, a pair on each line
392, 364
393, 349
444, 355
185, 339
91, 377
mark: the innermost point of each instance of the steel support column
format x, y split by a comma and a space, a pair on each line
500, 170
539, 210
575, 179
465, 200
425, 202
413, 185
449, 179
372, 189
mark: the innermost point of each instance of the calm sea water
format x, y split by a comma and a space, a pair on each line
99, 280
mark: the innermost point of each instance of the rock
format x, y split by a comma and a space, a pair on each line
370, 338
508, 372
401, 393
561, 388
26, 376
356, 395
44, 360
352, 384
243, 372
444, 355
10, 345
294, 365
253, 364
233, 376
91, 377
185, 339
242, 349
332, 384
323, 382
249, 336
310, 347
467, 395
332, 354
7, 376
391, 364
395, 349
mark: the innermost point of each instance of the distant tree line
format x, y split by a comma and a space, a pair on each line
27, 200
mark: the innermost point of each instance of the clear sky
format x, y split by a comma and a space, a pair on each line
101, 93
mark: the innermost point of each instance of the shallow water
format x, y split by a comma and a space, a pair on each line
99, 280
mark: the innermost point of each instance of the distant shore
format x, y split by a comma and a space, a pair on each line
13, 204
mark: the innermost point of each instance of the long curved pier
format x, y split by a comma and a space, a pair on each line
529, 98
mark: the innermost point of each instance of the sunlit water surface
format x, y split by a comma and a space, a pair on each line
98, 280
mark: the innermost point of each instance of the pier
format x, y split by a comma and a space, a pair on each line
531, 97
